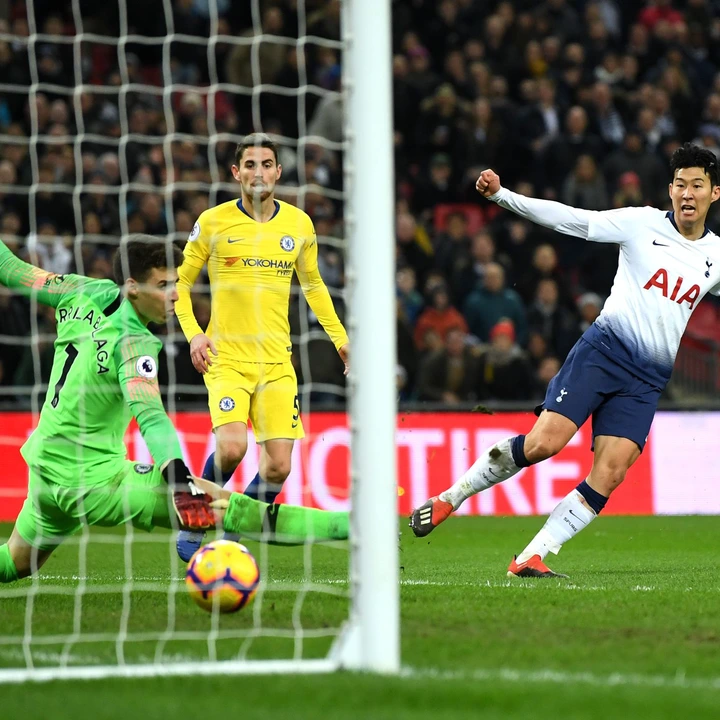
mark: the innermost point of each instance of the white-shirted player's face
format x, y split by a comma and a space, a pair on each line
692, 193
257, 173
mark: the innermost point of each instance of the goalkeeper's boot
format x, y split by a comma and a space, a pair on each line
188, 543
532, 568
428, 516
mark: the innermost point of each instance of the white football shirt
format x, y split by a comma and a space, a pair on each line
660, 280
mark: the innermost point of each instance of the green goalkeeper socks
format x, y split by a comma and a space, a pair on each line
8, 571
284, 524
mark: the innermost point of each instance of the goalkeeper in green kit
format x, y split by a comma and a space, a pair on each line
105, 371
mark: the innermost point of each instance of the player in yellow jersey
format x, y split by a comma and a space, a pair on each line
251, 247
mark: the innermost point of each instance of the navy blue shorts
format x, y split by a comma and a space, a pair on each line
589, 383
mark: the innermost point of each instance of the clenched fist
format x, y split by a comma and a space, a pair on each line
488, 183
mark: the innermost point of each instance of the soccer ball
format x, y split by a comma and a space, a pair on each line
222, 575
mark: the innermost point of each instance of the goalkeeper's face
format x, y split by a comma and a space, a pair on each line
258, 173
154, 299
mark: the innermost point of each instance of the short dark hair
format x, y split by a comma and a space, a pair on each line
140, 254
255, 140
690, 155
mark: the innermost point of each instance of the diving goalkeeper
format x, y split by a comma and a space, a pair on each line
105, 371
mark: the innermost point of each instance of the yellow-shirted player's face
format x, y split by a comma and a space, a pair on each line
155, 298
257, 173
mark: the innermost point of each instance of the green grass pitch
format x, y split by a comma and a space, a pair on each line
634, 633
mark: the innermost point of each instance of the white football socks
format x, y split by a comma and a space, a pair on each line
566, 520
492, 467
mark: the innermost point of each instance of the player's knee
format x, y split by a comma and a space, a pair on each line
230, 453
277, 471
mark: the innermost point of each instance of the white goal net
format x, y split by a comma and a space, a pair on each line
123, 117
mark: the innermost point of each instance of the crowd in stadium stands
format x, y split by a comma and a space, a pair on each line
579, 101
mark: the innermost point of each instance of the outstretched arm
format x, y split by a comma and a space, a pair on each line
49, 288
548, 213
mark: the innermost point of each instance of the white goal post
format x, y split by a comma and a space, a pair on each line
370, 637
370, 181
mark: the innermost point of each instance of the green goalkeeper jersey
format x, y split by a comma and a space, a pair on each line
104, 372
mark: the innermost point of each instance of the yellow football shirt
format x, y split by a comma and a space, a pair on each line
250, 267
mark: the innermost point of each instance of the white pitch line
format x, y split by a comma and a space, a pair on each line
44, 656
335, 581
516, 583
560, 677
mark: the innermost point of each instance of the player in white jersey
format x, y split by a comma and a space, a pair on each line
616, 372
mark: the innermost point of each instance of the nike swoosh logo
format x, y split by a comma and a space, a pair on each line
575, 516
655, 242
231, 241
493, 473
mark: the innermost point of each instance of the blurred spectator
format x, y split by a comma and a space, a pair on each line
14, 330
437, 188
469, 268
555, 323
49, 251
450, 375
563, 152
453, 244
486, 136
37, 357
440, 317
409, 298
492, 301
546, 371
413, 246
606, 117
540, 123
51, 206
407, 355
505, 373
633, 157
545, 266
585, 186
240, 68
659, 11
178, 379
629, 191
537, 348
589, 306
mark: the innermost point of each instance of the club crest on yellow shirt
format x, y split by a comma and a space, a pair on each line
287, 243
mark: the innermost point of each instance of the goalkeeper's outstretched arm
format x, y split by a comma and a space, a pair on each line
49, 288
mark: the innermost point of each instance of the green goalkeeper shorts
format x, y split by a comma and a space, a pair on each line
137, 494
